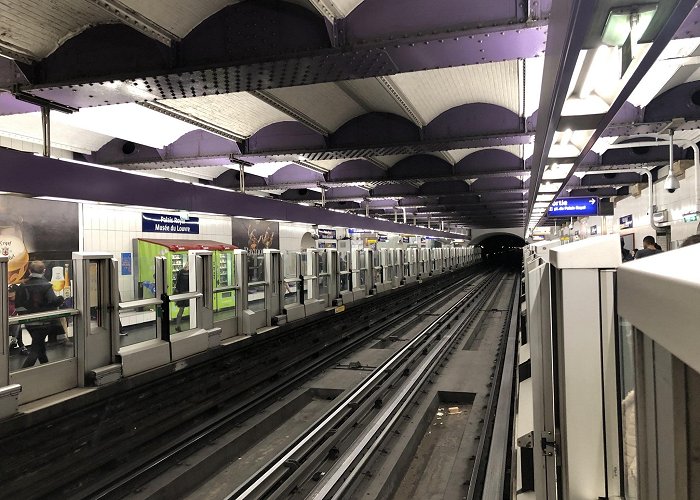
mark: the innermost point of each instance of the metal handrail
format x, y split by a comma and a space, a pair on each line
185, 296
226, 289
135, 304
257, 283
28, 318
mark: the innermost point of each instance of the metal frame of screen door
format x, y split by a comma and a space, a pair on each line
40, 381
274, 296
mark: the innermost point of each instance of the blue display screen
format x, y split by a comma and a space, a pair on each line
573, 207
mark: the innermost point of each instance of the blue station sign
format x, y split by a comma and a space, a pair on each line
573, 207
169, 223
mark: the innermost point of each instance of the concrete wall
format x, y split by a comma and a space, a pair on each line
678, 203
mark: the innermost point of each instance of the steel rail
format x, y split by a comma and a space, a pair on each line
340, 479
275, 471
203, 431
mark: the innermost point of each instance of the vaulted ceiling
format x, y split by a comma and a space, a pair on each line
377, 106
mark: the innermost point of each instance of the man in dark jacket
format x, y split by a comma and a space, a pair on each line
36, 294
649, 248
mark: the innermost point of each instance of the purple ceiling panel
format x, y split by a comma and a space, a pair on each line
683, 100
458, 199
488, 159
356, 169
118, 151
201, 143
628, 113
258, 29
473, 120
342, 205
301, 195
476, 48
11, 106
612, 179
385, 204
379, 18
284, 135
639, 155
444, 187
346, 192
496, 197
420, 166
601, 192
111, 49
395, 190
691, 26
373, 128
231, 179
295, 173
496, 183
57, 178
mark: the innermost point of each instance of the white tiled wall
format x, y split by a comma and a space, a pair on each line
32, 147
677, 203
113, 229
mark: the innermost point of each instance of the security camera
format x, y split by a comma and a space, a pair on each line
671, 183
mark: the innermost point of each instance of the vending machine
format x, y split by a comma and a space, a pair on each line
175, 252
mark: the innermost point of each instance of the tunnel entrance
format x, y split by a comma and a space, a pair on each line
503, 249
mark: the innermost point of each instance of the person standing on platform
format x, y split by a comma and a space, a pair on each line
36, 294
182, 285
649, 248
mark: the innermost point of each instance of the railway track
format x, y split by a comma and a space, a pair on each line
175, 451
331, 454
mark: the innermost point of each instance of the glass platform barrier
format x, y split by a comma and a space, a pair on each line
359, 273
314, 301
293, 285
344, 282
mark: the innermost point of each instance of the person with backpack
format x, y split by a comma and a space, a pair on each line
35, 295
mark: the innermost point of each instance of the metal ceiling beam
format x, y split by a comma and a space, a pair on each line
239, 71
383, 149
570, 24
136, 20
12, 51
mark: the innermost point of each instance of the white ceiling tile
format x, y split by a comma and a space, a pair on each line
374, 96
240, 112
130, 122
39, 27
434, 91
27, 127
324, 103
177, 16
460, 154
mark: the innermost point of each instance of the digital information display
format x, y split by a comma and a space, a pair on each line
573, 207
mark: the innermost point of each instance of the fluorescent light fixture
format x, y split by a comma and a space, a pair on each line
557, 171
624, 21
549, 187
542, 204
565, 137
246, 217
544, 197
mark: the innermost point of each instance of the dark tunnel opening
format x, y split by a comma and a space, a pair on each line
504, 250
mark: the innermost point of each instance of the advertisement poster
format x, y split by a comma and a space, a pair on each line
255, 234
126, 263
32, 229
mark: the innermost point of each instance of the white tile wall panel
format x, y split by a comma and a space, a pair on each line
324, 103
239, 112
26, 128
39, 27
434, 91
177, 16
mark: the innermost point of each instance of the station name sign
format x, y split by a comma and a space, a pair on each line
327, 234
169, 223
573, 207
